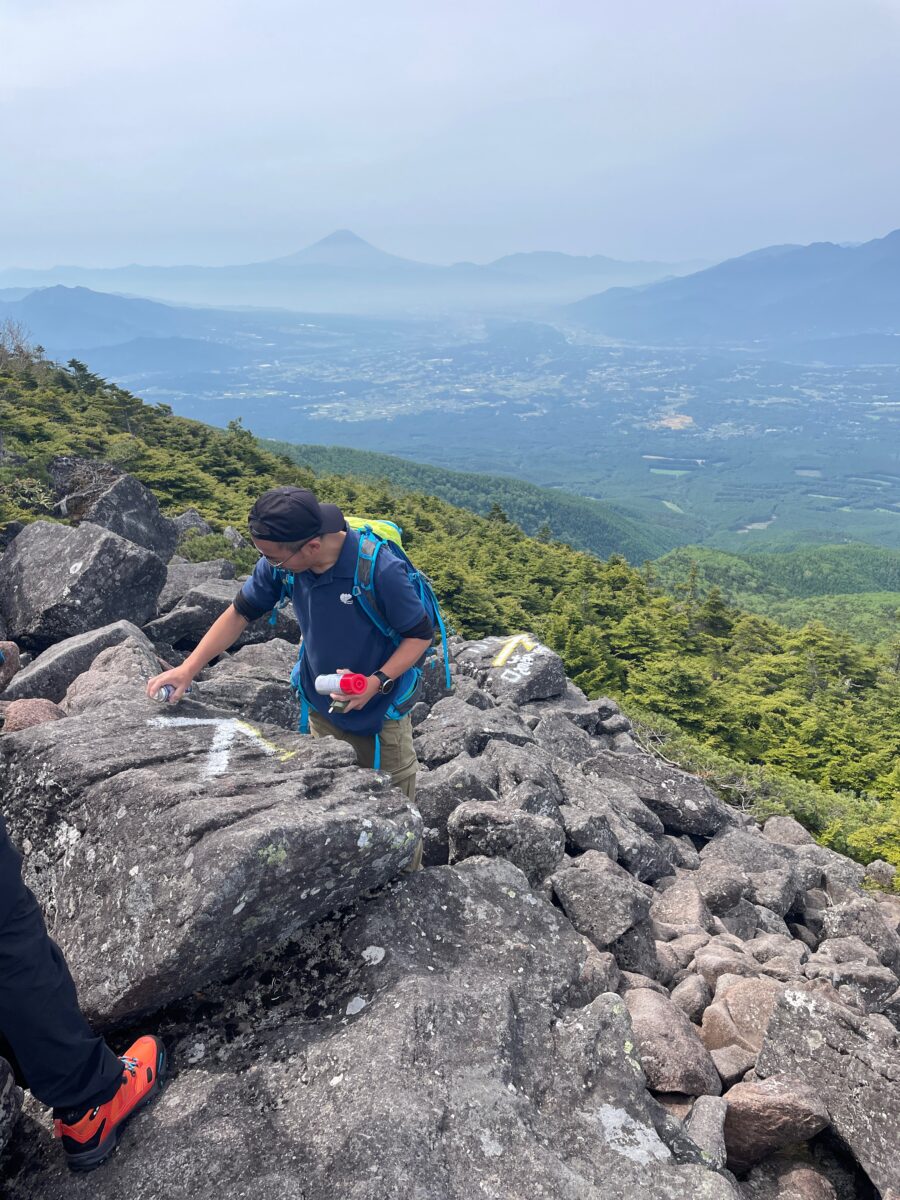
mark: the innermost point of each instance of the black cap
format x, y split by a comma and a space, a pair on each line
292, 514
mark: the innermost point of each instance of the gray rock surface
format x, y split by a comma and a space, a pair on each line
200, 839
706, 1127
454, 727
483, 1086
97, 578
533, 843
600, 899
50, 674
131, 510
852, 1063
186, 623
513, 670
774, 880
24, 714
182, 576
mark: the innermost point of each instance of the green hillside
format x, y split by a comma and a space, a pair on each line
853, 588
805, 721
547, 513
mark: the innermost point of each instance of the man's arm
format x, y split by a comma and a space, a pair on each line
220, 635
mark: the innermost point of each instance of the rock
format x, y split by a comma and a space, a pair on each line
862, 918
562, 738
254, 683
681, 801
672, 1055
50, 675
684, 851
98, 578
191, 523
860, 985
732, 1062
514, 670
23, 714
231, 535
189, 620
786, 1178
600, 899
740, 1014
767, 1115
714, 961
635, 951
840, 875
439, 792
454, 727
118, 674
182, 576
692, 996
682, 904
721, 886
742, 920
787, 832
879, 872
588, 831
532, 843
852, 1064
470, 1056
131, 510
203, 841
774, 881
706, 1128
525, 778
10, 1102
9, 664
599, 974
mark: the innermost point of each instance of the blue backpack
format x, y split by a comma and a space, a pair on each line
376, 537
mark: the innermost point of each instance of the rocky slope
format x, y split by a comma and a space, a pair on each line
605, 983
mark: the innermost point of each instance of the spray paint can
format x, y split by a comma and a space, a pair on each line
349, 684
167, 691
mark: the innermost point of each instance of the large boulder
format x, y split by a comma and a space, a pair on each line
440, 792
182, 576
852, 1063
50, 674
24, 714
186, 623
437, 1063
861, 917
169, 849
131, 510
771, 869
56, 582
454, 727
514, 670
682, 802
254, 683
672, 1055
600, 899
768, 1115
535, 844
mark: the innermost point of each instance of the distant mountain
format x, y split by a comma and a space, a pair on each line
779, 293
344, 273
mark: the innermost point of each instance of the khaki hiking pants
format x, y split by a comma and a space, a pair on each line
398, 756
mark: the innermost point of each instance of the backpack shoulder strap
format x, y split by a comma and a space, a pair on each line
364, 583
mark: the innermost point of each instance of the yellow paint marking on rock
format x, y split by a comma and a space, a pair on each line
520, 639
281, 755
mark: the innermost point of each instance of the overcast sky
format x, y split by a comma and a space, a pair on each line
222, 131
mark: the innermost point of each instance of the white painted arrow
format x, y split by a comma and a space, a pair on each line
226, 730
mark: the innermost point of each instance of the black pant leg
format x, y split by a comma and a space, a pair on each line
62, 1061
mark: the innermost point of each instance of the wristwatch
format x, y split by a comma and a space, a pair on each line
385, 681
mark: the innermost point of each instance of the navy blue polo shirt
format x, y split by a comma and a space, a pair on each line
336, 631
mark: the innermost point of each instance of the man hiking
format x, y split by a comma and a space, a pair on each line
314, 546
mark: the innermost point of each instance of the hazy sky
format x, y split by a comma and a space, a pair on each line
230, 130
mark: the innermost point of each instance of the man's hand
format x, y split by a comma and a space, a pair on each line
353, 703
177, 677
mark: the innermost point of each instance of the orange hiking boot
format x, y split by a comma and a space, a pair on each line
91, 1139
